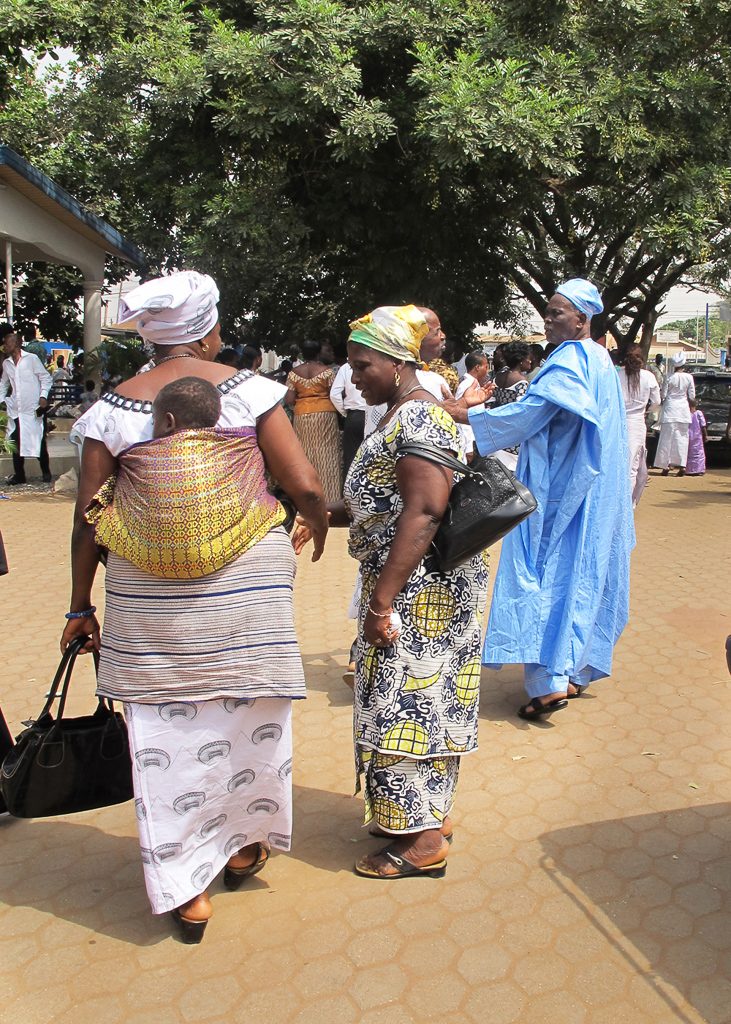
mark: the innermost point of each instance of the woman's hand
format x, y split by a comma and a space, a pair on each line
88, 627
306, 531
377, 629
301, 535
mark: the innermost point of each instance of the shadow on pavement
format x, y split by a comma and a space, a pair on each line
502, 693
689, 496
83, 875
658, 887
327, 831
324, 674
80, 874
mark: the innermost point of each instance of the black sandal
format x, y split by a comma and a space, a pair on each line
191, 932
405, 869
540, 710
234, 877
578, 690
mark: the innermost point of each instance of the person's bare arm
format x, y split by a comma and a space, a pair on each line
97, 464
425, 489
288, 464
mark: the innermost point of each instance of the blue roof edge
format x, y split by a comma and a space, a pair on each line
129, 251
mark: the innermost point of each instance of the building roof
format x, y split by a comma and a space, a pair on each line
45, 193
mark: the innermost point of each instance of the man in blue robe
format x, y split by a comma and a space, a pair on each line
561, 596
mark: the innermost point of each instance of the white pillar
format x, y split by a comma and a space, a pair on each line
92, 315
9, 281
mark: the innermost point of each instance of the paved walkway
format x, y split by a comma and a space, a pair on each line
589, 881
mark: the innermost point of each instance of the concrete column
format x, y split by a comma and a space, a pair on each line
9, 281
92, 315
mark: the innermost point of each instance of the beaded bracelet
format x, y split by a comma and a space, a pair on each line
379, 615
87, 613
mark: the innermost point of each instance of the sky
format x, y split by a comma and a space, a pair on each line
684, 303
681, 303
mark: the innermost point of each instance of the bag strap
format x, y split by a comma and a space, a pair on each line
68, 660
431, 453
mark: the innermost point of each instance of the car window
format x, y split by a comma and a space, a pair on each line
711, 389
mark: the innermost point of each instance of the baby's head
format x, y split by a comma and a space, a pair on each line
693, 404
185, 404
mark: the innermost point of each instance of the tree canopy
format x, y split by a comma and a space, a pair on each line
321, 157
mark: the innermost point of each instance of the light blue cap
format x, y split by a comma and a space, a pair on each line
582, 294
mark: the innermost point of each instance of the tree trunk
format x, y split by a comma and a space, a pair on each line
648, 330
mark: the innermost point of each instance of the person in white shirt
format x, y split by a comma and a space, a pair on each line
477, 368
89, 397
657, 371
640, 390
672, 446
24, 387
538, 358
60, 374
349, 402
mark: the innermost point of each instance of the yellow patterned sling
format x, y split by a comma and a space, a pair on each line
184, 506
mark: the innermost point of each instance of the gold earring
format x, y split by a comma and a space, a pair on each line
397, 378
204, 346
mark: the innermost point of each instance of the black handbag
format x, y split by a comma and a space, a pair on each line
485, 504
62, 765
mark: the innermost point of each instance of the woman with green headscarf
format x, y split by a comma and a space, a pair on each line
419, 629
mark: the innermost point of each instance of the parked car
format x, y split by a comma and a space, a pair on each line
713, 395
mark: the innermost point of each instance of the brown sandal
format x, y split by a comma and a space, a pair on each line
405, 869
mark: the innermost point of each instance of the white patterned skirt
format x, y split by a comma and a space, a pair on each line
209, 778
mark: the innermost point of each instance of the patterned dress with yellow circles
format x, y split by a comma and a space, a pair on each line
415, 711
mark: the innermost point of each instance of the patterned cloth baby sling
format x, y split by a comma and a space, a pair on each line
183, 506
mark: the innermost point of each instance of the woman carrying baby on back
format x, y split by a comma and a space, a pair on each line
198, 640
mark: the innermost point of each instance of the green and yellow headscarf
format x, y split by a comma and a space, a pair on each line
396, 331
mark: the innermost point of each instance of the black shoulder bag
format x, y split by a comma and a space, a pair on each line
62, 765
485, 504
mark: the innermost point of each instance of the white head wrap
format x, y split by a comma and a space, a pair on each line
172, 310
679, 359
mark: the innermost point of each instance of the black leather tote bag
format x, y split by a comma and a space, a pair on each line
485, 504
62, 765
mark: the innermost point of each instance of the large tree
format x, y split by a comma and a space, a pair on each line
319, 157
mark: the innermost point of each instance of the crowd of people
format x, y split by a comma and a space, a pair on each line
198, 642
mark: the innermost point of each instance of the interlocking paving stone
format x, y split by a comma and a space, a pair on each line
589, 881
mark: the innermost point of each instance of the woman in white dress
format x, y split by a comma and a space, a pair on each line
640, 390
672, 447
206, 667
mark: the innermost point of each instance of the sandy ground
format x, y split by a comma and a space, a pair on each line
589, 881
